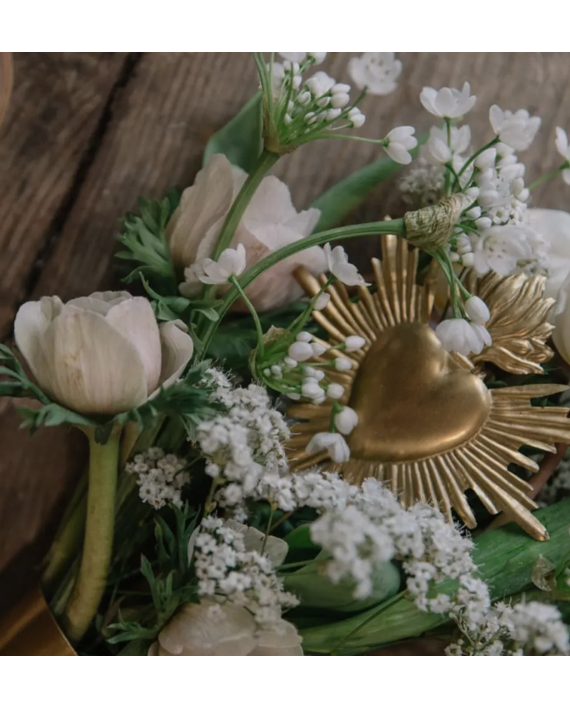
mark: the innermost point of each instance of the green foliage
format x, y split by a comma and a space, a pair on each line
506, 559
240, 140
187, 399
144, 240
170, 578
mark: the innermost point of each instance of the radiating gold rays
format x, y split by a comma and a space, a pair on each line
428, 426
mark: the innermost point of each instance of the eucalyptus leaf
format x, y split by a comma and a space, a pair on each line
241, 139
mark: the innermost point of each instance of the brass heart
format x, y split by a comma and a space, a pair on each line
413, 401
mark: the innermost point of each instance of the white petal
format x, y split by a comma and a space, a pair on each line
92, 368
32, 320
177, 350
100, 302
201, 206
135, 320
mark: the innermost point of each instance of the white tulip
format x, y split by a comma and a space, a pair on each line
333, 443
269, 222
101, 354
477, 310
339, 266
346, 420
231, 263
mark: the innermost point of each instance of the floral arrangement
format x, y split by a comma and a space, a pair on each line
288, 457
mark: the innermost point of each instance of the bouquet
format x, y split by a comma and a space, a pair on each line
288, 456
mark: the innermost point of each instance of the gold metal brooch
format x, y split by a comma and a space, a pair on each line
429, 426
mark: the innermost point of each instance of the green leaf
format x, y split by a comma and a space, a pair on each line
506, 559
144, 239
315, 590
240, 140
344, 197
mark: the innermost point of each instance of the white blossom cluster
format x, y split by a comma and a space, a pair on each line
524, 629
373, 528
305, 109
160, 477
243, 443
228, 572
494, 232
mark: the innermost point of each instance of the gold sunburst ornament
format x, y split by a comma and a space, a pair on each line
428, 425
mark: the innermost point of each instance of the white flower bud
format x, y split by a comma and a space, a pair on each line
346, 420
304, 337
454, 257
486, 159
472, 193
322, 301
477, 310
468, 260
276, 371
267, 372
354, 342
290, 362
324, 101
340, 100
318, 349
342, 364
335, 391
319, 374
309, 371
333, 443
300, 351
483, 223
341, 89
473, 213
296, 83
311, 389
319, 400
304, 98
356, 117
333, 114
294, 397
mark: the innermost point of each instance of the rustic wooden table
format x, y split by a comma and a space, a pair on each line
86, 134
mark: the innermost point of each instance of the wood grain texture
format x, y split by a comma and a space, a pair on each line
87, 134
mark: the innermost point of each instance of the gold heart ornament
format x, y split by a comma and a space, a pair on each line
427, 424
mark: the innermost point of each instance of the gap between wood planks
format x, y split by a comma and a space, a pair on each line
60, 218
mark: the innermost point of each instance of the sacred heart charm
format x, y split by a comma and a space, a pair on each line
427, 423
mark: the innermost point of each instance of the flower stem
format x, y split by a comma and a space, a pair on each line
547, 176
253, 312
264, 163
476, 155
389, 226
98, 541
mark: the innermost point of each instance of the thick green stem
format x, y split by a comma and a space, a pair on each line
389, 226
264, 163
98, 542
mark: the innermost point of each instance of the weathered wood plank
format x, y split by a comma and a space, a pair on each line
158, 125
53, 116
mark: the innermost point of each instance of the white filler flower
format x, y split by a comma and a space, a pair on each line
231, 263
377, 72
339, 266
517, 130
399, 142
448, 103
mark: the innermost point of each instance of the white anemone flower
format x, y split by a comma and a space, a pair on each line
210, 628
339, 266
448, 103
377, 72
269, 222
101, 354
